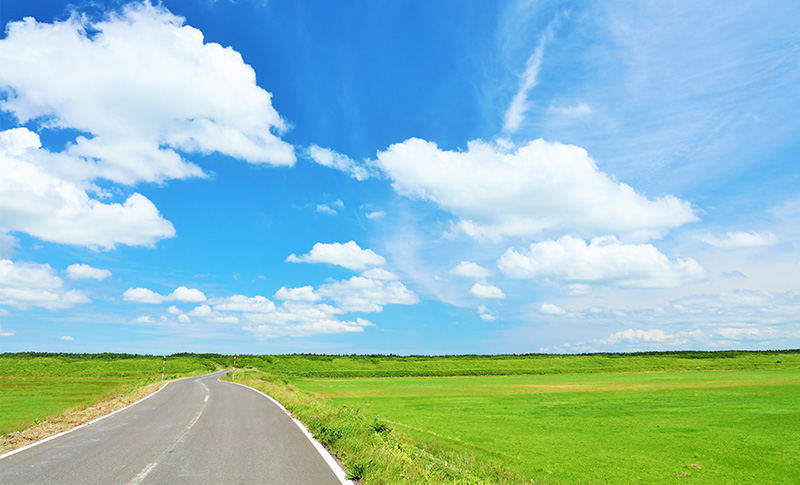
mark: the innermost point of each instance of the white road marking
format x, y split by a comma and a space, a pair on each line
143, 474
146, 471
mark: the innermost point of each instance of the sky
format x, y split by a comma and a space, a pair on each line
406, 177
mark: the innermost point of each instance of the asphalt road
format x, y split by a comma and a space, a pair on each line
196, 430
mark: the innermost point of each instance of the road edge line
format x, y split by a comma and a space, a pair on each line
326, 455
44, 440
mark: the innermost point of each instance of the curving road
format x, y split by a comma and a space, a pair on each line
196, 430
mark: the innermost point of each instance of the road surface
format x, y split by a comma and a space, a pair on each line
196, 430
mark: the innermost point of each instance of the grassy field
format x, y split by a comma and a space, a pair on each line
711, 427
292, 366
707, 417
35, 387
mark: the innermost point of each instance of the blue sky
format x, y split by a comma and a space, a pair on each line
399, 177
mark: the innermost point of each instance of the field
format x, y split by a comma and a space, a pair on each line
712, 427
706, 417
36, 387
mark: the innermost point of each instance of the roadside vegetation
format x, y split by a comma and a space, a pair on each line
44, 393
598, 418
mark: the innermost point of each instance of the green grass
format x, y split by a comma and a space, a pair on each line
708, 427
534, 364
35, 387
24, 401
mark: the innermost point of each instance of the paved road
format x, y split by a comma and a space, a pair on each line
196, 430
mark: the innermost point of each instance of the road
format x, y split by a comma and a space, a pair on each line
196, 430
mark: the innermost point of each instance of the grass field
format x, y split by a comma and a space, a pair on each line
35, 387
706, 417
292, 366
24, 401
708, 427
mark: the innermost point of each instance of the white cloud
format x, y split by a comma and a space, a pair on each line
486, 314
182, 293
78, 271
324, 209
31, 284
604, 261
67, 338
481, 290
343, 163
580, 109
376, 214
7, 332
144, 319
245, 304
515, 113
184, 318
174, 310
8, 243
36, 199
348, 255
359, 294
303, 293
143, 85
638, 335
469, 269
536, 188
379, 274
550, 309
740, 240
743, 333
190, 295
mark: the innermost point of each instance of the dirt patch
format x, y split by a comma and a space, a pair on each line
72, 418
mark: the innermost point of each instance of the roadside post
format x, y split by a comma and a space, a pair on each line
163, 367
233, 378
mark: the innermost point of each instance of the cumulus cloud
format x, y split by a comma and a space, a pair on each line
469, 269
244, 304
605, 260
303, 293
740, 239
379, 274
6, 332
638, 335
550, 309
348, 255
23, 285
80, 271
527, 191
182, 293
482, 290
143, 85
37, 199
140, 88
67, 338
343, 163
359, 294
486, 314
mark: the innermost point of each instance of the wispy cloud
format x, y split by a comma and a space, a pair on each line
515, 114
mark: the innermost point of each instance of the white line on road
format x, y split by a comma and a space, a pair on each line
143, 474
326, 455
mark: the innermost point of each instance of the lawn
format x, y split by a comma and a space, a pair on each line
703, 426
